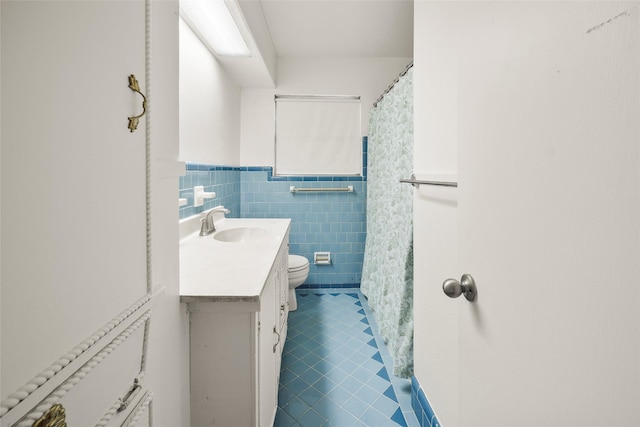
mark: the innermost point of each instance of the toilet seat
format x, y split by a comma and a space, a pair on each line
297, 263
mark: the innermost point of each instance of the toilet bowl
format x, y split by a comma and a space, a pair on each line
298, 270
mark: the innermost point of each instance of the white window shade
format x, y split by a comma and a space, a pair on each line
318, 135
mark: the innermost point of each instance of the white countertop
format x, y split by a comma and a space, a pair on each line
215, 271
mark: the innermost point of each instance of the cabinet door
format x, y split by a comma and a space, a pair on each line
283, 284
267, 349
73, 176
282, 313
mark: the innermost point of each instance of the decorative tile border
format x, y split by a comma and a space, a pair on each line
206, 168
300, 178
421, 406
330, 286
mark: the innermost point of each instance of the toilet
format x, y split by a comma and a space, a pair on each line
298, 271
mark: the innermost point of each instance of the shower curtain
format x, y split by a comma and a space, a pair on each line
387, 271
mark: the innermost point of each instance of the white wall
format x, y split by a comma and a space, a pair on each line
209, 106
0, 198
438, 32
168, 361
366, 77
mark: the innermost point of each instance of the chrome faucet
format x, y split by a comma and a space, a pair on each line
207, 226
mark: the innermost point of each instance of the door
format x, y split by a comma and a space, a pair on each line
73, 179
548, 216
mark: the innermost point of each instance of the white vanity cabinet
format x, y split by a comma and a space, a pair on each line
283, 301
235, 347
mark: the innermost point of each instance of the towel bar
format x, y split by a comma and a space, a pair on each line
416, 182
293, 189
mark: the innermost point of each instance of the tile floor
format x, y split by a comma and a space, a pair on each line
333, 367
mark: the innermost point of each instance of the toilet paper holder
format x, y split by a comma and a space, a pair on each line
322, 258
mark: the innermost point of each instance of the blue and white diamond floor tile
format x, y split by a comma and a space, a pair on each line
333, 367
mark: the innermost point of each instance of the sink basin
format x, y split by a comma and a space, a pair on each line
242, 234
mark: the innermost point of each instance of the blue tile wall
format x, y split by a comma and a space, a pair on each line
421, 406
322, 221
224, 180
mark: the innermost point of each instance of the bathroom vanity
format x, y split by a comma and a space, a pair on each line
235, 287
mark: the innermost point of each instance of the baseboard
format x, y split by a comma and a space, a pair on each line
421, 406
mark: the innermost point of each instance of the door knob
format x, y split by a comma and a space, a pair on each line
466, 286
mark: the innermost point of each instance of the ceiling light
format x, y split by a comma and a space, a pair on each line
212, 21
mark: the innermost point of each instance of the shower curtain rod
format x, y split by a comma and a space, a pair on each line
407, 68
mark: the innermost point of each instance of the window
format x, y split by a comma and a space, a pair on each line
318, 135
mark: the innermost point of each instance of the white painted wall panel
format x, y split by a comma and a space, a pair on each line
437, 30
168, 364
209, 106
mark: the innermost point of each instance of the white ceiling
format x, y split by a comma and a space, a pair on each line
340, 28
317, 29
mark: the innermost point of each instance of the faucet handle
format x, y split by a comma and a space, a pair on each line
206, 225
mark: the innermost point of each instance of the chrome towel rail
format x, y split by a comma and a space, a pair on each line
416, 182
293, 189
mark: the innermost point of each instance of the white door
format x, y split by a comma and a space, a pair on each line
73, 177
548, 210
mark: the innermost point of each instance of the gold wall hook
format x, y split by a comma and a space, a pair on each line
54, 417
133, 121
